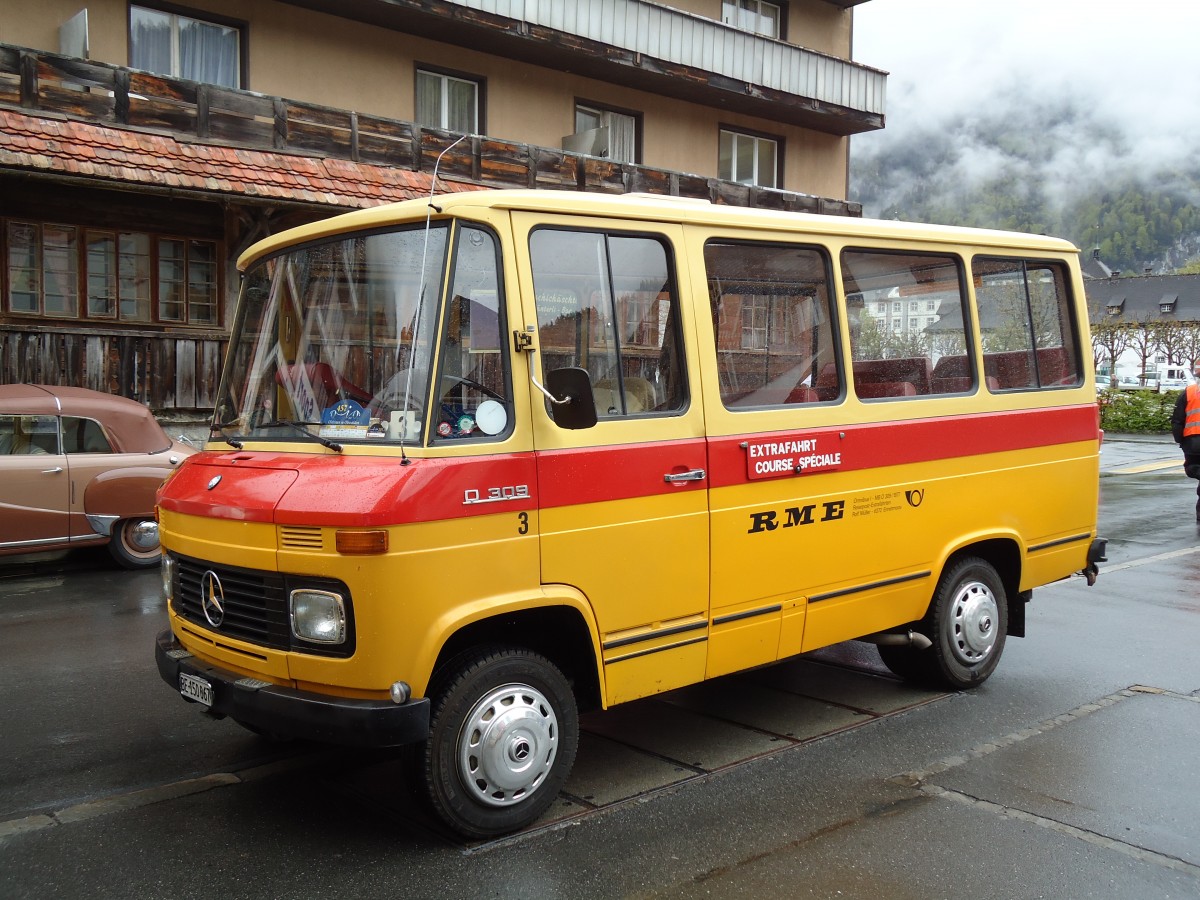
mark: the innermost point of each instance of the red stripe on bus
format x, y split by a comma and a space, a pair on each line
372, 492
877, 444
618, 472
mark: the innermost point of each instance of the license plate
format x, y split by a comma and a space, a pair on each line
195, 689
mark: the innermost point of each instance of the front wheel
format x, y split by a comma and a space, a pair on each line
502, 740
134, 543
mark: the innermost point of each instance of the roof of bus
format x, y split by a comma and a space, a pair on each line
652, 207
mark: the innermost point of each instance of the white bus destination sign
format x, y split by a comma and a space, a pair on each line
795, 455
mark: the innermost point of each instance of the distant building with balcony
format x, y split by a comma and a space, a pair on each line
145, 145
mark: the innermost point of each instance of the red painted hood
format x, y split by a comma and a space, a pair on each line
348, 491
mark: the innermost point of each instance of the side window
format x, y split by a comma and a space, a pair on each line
919, 346
27, 435
772, 322
84, 436
473, 384
447, 101
748, 158
606, 302
1026, 324
621, 132
198, 49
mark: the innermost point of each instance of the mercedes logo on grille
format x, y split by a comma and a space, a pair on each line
212, 598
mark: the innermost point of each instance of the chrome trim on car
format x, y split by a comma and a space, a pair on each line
101, 524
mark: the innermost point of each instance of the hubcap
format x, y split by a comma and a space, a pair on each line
508, 745
143, 536
971, 626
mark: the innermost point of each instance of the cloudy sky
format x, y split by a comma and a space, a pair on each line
1132, 66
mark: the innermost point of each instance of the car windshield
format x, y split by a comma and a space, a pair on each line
337, 341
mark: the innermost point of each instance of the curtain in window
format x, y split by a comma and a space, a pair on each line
150, 40
460, 106
208, 53
622, 137
429, 100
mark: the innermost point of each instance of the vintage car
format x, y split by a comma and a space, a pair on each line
81, 468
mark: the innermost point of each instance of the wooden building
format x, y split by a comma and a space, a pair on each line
144, 145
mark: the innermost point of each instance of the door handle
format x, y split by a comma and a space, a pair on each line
691, 475
53, 471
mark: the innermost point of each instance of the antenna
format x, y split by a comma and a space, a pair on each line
412, 353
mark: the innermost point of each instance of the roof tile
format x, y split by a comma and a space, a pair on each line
68, 147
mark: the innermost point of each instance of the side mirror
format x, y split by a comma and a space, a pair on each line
571, 400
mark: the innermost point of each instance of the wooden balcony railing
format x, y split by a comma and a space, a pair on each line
38, 81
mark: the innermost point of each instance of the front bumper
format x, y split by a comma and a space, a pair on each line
291, 713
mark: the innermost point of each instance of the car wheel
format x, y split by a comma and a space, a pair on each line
134, 543
967, 622
502, 740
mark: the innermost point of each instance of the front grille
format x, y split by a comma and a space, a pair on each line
256, 605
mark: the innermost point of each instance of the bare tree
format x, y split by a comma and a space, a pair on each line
1190, 344
1110, 338
1170, 337
1143, 342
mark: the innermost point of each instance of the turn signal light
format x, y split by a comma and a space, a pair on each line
360, 542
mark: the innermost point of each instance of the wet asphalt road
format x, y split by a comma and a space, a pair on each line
1071, 773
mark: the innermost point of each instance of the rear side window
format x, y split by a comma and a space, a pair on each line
84, 436
1026, 324
772, 322
607, 303
908, 324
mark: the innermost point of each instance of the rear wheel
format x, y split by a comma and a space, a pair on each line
967, 623
134, 543
503, 735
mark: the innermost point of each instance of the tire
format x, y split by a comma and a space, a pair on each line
967, 622
134, 543
503, 735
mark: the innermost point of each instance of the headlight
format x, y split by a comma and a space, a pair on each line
167, 570
318, 616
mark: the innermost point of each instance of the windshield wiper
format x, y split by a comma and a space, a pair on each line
219, 428
301, 428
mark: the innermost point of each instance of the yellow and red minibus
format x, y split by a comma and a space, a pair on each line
481, 463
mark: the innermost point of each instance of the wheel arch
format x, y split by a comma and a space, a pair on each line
1002, 553
562, 632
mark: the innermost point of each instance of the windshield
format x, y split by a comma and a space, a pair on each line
337, 342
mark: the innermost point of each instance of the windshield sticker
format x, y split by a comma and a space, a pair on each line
795, 455
345, 419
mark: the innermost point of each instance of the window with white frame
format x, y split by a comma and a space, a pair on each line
748, 159
169, 43
622, 130
448, 102
756, 16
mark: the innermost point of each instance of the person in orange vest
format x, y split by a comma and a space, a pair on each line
1185, 428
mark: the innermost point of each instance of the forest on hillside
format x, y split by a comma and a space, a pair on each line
1045, 168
